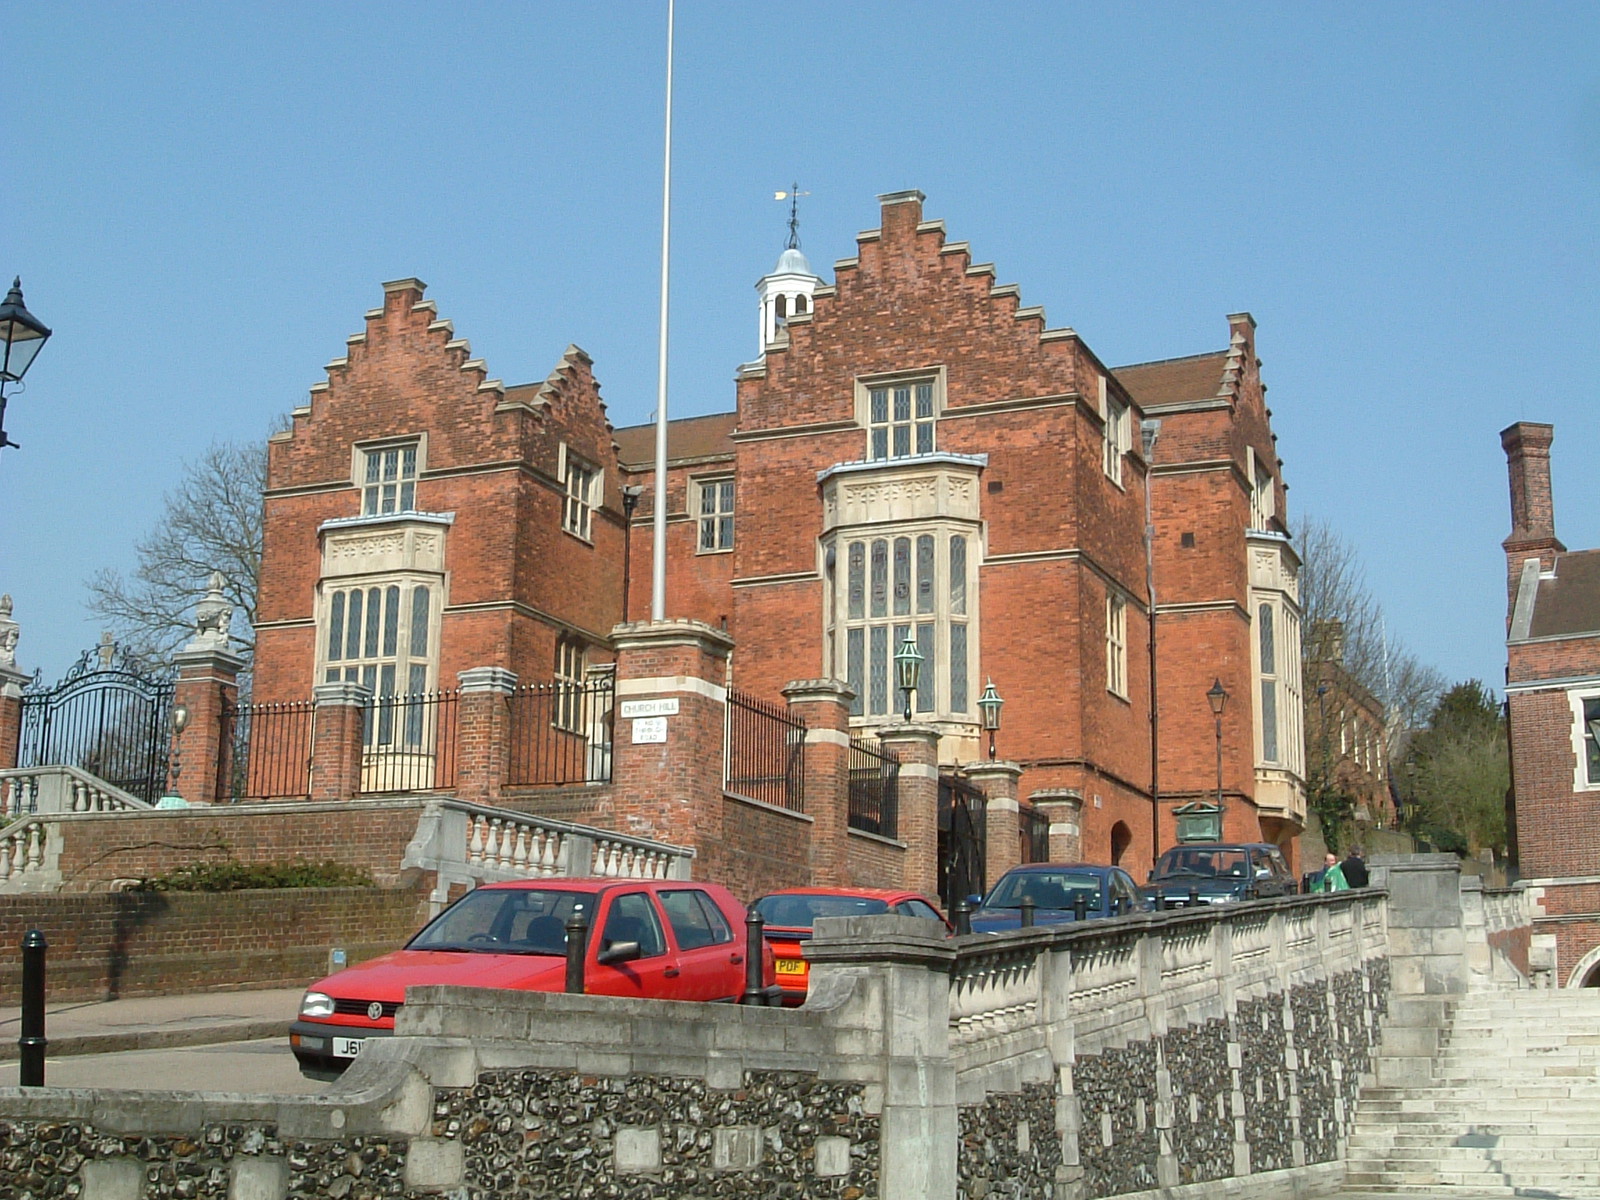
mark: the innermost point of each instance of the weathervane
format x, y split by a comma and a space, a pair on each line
793, 197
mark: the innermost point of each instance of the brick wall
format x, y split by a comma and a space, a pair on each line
874, 863
1558, 828
1575, 907
371, 835
152, 943
761, 848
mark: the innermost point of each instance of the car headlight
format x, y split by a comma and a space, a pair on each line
316, 1004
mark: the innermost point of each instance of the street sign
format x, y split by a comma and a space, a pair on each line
649, 730
667, 707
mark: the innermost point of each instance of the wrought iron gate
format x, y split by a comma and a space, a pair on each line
963, 825
107, 716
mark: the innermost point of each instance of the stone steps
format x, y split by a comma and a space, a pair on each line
1512, 1106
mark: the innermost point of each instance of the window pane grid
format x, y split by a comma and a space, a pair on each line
388, 477
900, 420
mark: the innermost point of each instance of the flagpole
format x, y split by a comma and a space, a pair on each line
658, 558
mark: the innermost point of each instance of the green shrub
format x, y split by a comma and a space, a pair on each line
237, 877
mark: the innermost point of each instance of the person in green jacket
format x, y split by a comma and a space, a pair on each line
1332, 876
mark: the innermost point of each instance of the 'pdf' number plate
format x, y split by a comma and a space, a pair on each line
346, 1047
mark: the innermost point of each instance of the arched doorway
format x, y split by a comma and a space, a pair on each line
1121, 839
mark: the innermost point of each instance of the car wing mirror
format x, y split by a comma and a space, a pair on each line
619, 952
1150, 875
974, 899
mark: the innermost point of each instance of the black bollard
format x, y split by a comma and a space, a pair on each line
1027, 912
1194, 896
33, 1041
963, 914
577, 946
1080, 906
754, 945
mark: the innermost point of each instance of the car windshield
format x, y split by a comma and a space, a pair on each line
1047, 889
802, 911
505, 921
1206, 862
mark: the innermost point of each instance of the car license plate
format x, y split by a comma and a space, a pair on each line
346, 1047
792, 966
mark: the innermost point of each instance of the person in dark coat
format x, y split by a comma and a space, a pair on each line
1354, 868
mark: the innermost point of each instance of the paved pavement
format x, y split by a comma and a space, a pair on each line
154, 1022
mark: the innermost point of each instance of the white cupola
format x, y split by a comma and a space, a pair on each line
784, 293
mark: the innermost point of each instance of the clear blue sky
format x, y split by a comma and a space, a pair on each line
202, 200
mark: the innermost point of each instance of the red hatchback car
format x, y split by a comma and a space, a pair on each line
658, 939
790, 914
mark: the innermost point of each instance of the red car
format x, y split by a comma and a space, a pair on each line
790, 914
658, 939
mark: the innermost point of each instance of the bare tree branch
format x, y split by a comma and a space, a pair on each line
210, 521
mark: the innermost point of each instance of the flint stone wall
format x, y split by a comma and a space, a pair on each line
1206, 1049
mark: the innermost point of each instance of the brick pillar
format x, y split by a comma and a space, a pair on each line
673, 672
917, 748
824, 705
11, 682
1064, 808
336, 740
998, 782
208, 686
483, 733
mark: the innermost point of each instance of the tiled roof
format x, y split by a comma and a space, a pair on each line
1174, 380
1570, 601
688, 437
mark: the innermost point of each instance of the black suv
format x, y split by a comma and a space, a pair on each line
1219, 873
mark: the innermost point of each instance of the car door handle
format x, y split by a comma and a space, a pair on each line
670, 973
736, 958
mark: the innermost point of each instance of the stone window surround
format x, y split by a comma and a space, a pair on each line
698, 511
1117, 433
1580, 736
864, 385
359, 452
927, 494
577, 511
388, 549
1116, 644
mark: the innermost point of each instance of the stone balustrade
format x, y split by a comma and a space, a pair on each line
468, 844
22, 855
46, 791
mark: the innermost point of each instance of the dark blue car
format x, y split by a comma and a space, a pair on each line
1060, 892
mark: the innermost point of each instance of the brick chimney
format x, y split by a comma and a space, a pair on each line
1533, 517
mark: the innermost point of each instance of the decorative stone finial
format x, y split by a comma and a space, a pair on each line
10, 632
211, 618
107, 649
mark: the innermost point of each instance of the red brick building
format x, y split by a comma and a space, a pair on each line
1553, 696
914, 452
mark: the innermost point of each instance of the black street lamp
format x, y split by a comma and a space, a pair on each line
908, 668
1217, 697
989, 709
630, 501
24, 335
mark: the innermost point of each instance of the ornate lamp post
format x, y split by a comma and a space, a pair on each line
908, 669
989, 709
1217, 697
24, 336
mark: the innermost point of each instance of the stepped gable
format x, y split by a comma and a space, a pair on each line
911, 299
406, 373
569, 411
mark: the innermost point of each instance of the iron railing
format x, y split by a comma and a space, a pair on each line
409, 742
764, 753
561, 733
874, 788
1033, 830
265, 751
